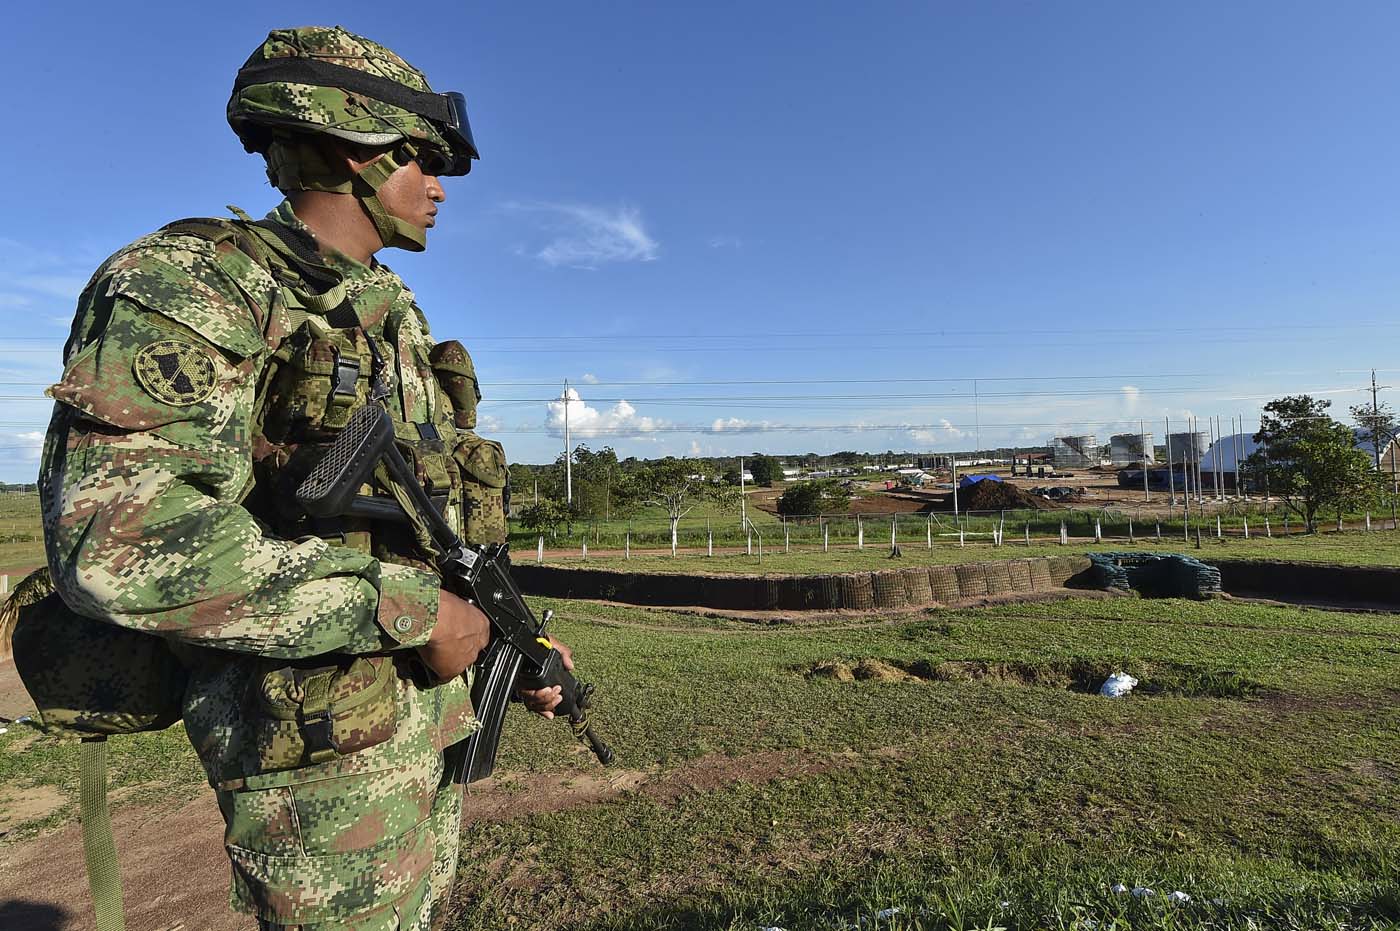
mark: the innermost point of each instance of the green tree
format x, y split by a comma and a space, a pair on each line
543, 517
676, 486
1378, 425
766, 470
1310, 459
824, 496
597, 476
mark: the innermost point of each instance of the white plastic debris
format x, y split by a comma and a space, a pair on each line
1118, 685
1119, 889
4, 730
884, 913
1178, 898
1142, 892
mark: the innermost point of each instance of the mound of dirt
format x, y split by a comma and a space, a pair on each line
997, 496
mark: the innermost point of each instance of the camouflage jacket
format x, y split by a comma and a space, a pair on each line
172, 424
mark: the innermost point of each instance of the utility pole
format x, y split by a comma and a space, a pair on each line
568, 451
1376, 419
1147, 492
743, 505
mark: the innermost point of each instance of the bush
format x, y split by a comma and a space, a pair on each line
820, 497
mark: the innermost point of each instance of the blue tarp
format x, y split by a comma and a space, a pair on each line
969, 480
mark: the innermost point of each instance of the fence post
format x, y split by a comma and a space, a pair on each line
894, 538
1268, 531
1064, 534
785, 535
539, 550
1246, 528
709, 543
1028, 533
1285, 525
1219, 534
749, 539
1339, 523
1368, 521
860, 533
1159, 531
585, 549
929, 531
826, 536
627, 545
1098, 531
961, 540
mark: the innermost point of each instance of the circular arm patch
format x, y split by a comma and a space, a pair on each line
175, 372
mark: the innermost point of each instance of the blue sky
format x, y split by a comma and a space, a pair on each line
792, 227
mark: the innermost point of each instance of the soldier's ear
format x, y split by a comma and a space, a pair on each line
353, 156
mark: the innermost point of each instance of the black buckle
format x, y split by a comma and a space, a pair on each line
347, 374
429, 432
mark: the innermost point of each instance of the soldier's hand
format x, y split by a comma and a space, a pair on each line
461, 634
543, 701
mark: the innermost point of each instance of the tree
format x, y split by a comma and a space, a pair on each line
676, 487
1377, 425
766, 470
824, 496
1310, 459
542, 517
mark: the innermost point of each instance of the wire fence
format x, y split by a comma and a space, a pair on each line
1067, 526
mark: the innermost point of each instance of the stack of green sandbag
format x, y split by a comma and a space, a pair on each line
1156, 575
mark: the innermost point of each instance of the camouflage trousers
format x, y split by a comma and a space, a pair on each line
328, 821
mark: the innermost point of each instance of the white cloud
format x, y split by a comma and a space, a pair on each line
27, 446
586, 236
488, 423
589, 378
584, 421
739, 425
1131, 393
694, 448
944, 432
725, 242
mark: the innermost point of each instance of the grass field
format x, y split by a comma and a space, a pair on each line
967, 775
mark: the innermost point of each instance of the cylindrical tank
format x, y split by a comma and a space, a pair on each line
1186, 447
1075, 452
1127, 448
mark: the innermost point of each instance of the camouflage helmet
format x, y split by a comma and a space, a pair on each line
328, 81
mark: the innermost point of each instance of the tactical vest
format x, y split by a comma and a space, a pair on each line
91, 679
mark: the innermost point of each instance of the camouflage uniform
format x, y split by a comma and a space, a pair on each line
194, 382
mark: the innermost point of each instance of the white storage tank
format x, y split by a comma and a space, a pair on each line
1186, 447
1075, 452
1127, 448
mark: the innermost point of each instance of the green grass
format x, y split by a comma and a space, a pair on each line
21, 537
1256, 765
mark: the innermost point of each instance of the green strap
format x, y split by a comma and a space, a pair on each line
104, 877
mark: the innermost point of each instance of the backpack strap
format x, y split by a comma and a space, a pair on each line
99, 849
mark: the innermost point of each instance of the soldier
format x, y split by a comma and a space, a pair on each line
208, 366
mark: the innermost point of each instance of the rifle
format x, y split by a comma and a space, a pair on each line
519, 655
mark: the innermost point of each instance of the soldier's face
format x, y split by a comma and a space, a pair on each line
412, 196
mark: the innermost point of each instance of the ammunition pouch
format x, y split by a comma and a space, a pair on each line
485, 488
301, 716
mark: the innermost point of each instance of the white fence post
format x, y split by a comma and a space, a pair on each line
1098, 531
1028, 533
539, 549
585, 549
1131, 538
1064, 534
929, 531
785, 535
709, 543
1268, 531
1246, 528
1219, 534
826, 536
749, 540
1368, 521
627, 545
860, 533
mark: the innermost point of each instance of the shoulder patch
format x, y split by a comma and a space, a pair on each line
175, 372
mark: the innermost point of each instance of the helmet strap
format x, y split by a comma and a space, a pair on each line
393, 232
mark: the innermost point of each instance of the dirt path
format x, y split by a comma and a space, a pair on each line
175, 873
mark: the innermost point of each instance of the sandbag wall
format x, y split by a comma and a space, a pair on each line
887, 588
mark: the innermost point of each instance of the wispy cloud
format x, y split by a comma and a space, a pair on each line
621, 419
589, 378
33, 278
944, 432
1131, 394
725, 242
587, 236
739, 425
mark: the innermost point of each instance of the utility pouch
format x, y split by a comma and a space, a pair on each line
304, 716
456, 376
484, 492
90, 678
323, 376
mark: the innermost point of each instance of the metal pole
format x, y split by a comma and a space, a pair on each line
743, 507
1171, 475
1239, 487
568, 451
1146, 492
